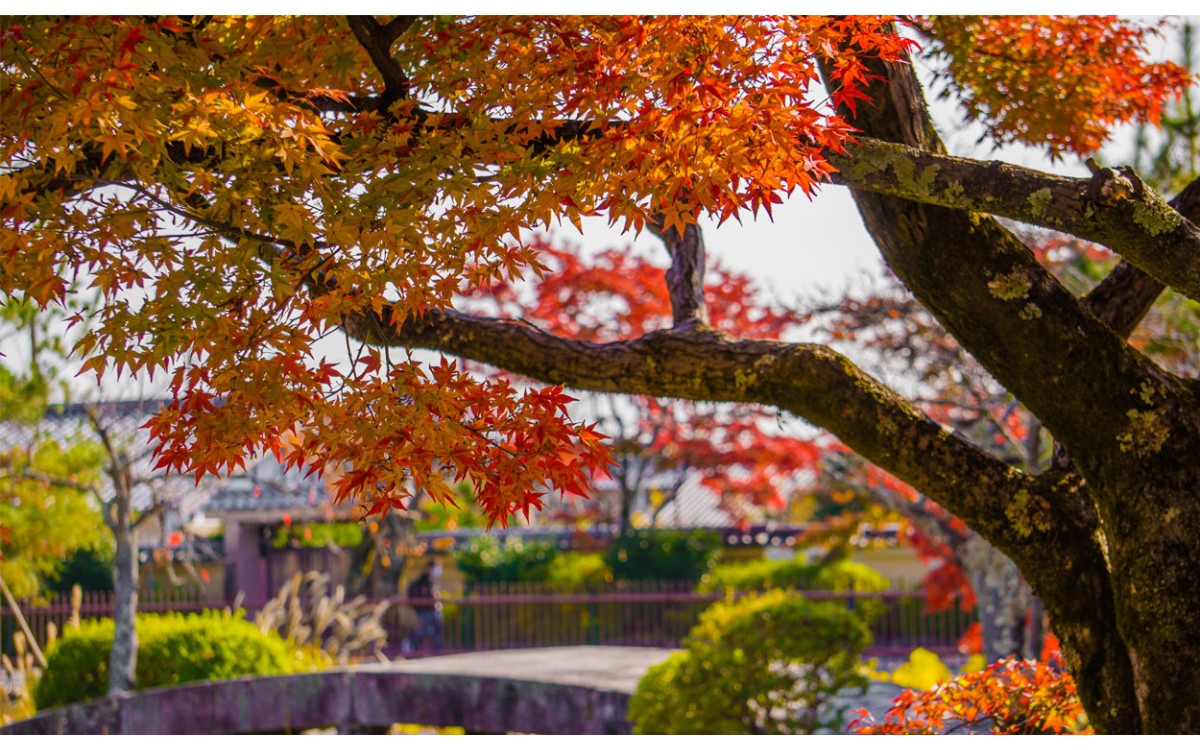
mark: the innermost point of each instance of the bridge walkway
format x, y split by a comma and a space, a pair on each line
572, 690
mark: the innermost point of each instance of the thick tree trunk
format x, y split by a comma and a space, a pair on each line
1002, 597
1151, 533
1112, 549
122, 661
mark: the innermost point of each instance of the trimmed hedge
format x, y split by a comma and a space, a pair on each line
759, 665
172, 649
579, 571
485, 560
762, 575
663, 555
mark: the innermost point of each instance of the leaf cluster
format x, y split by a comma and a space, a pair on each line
44, 521
1008, 697
487, 560
1059, 81
231, 189
796, 574
318, 535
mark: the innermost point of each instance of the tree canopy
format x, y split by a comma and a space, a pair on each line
232, 190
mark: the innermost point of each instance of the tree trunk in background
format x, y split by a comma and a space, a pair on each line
1003, 598
122, 661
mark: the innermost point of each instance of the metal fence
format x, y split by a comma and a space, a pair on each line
58, 609
529, 615
651, 613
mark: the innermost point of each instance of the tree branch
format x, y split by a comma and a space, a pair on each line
1127, 293
1113, 208
395, 28
685, 277
1123, 298
700, 364
377, 40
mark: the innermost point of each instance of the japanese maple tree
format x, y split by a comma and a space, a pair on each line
232, 190
656, 444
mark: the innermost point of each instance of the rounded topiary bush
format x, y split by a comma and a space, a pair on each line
759, 665
172, 649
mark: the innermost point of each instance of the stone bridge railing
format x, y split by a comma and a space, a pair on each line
352, 700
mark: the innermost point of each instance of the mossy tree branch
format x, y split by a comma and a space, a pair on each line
1113, 207
808, 380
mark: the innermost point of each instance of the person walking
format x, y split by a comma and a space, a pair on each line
425, 596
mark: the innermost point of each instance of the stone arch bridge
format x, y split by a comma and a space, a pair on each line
577, 690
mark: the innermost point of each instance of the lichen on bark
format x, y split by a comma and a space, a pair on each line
1155, 216
1039, 200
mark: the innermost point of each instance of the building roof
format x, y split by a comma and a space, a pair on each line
267, 490
693, 506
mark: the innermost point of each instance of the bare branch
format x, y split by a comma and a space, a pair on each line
109, 447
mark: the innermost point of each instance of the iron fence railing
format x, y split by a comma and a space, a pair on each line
58, 609
530, 615
651, 613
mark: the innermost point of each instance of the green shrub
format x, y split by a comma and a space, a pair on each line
318, 535
764, 664
173, 649
663, 555
485, 560
90, 569
796, 574
579, 571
